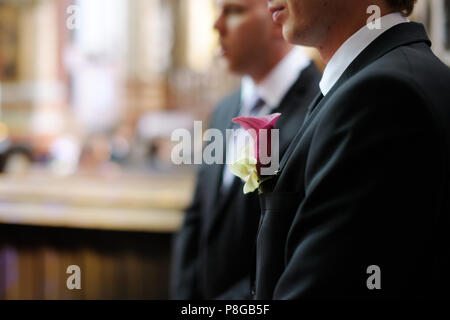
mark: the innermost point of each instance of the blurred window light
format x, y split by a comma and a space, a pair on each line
200, 34
103, 27
151, 37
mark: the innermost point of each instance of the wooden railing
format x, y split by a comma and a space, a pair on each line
119, 234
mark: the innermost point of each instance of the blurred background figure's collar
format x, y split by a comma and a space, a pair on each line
277, 83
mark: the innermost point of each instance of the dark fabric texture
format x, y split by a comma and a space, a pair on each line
365, 182
213, 251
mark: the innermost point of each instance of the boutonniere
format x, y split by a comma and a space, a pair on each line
248, 164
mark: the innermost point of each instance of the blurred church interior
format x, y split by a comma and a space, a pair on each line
90, 92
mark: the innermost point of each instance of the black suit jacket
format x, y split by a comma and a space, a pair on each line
213, 251
365, 182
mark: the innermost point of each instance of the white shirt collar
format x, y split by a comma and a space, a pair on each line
277, 83
351, 48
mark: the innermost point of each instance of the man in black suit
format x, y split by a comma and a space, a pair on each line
359, 207
213, 252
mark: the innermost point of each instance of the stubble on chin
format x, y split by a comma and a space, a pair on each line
311, 21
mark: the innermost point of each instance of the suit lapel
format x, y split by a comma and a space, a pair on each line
313, 108
216, 179
224, 196
289, 104
399, 35
296, 98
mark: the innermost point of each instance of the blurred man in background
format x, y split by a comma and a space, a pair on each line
213, 252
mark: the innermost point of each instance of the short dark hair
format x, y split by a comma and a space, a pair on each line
404, 6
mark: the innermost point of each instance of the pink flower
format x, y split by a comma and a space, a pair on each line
254, 125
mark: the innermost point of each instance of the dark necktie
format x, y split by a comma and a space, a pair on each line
257, 107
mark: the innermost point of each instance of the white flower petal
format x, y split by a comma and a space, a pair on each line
252, 183
245, 168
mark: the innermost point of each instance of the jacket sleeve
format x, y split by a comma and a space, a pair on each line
371, 182
184, 273
184, 282
240, 290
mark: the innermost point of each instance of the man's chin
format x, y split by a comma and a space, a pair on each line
232, 68
236, 67
294, 35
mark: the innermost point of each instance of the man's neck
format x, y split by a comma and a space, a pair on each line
341, 30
